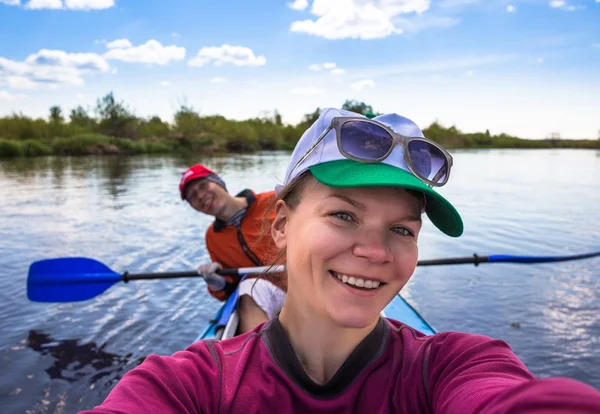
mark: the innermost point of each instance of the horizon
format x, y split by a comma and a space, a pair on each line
526, 68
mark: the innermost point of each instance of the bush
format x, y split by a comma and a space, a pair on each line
34, 148
159, 147
10, 148
19, 127
82, 144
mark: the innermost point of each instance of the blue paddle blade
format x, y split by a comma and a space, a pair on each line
69, 279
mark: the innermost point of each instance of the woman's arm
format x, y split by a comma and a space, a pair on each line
187, 382
475, 374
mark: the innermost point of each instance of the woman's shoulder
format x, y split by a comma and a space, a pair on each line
448, 337
452, 347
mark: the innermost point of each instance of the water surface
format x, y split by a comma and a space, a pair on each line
126, 212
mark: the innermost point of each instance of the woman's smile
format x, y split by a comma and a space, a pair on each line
358, 286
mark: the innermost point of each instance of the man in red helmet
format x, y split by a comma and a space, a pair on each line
237, 238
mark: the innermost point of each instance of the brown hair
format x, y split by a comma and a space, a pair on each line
291, 194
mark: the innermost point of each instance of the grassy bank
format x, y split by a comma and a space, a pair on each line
112, 128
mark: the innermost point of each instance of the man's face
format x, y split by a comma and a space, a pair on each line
205, 196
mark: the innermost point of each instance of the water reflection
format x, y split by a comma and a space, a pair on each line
116, 170
74, 361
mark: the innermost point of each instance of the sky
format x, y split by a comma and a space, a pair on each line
528, 68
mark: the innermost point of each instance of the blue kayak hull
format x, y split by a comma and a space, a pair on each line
398, 309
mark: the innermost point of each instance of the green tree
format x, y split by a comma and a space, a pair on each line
57, 122
278, 121
80, 118
358, 107
154, 127
56, 115
115, 119
188, 122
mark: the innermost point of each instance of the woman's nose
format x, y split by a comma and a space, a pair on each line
373, 246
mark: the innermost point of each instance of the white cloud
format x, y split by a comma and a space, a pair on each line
469, 73
89, 4
80, 61
357, 19
152, 52
510, 8
6, 96
218, 79
10, 2
20, 82
563, 5
44, 4
165, 83
317, 67
363, 85
236, 55
307, 90
338, 71
119, 44
81, 96
540, 60
298, 4
67, 4
50, 68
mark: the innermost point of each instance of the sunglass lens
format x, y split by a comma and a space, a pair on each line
365, 140
428, 161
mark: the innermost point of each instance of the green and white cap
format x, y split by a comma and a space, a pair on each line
331, 168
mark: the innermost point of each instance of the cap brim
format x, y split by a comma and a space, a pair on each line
348, 173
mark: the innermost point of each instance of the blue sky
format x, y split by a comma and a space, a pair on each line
524, 67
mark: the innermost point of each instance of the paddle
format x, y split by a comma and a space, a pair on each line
501, 258
73, 279
77, 279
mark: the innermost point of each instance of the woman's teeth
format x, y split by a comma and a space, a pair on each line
358, 282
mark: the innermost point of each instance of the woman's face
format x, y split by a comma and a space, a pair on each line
349, 250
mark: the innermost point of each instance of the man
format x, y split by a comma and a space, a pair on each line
237, 238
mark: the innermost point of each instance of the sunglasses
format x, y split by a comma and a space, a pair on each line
369, 141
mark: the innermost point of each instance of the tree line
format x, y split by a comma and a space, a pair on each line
111, 127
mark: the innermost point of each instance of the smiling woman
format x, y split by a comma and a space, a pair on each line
349, 230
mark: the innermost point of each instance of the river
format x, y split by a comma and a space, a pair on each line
126, 212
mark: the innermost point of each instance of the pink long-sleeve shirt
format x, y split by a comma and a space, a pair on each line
395, 369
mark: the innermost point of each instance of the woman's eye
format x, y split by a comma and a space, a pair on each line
403, 231
342, 216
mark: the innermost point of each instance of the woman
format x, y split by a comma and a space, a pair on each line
348, 219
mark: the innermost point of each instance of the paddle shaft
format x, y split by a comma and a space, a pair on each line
475, 259
192, 273
500, 258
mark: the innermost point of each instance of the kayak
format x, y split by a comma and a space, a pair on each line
225, 322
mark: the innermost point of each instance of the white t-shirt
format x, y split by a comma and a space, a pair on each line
267, 296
